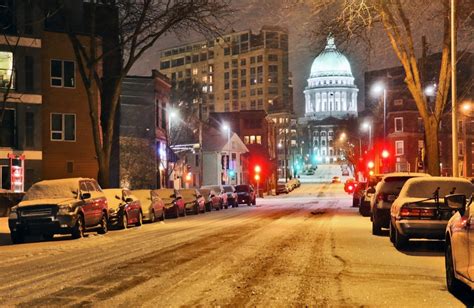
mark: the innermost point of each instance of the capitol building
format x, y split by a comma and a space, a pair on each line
330, 100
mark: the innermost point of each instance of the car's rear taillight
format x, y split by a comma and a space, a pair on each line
414, 212
380, 197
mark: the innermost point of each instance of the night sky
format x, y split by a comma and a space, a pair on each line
302, 22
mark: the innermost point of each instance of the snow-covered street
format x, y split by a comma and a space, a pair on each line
307, 248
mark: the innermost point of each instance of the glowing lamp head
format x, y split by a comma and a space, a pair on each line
257, 169
371, 172
385, 154
257, 177
370, 164
188, 177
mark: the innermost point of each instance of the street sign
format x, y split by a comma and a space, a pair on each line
17, 172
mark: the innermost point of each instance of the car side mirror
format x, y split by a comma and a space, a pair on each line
212, 195
178, 198
118, 197
371, 190
456, 202
128, 200
85, 196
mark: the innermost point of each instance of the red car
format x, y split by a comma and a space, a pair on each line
173, 203
66, 206
124, 208
212, 199
193, 201
220, 193
153, 207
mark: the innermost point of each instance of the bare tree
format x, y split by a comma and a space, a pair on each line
398, 19
140, 24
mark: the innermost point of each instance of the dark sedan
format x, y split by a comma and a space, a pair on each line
245, 194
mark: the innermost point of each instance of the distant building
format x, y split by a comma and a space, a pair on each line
258, 133
330, 99
238, 71
405, 131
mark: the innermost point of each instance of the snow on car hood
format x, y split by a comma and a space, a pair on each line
54, 201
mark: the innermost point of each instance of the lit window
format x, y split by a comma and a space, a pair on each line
258, 139
204, 78
195, 71
62, 74
252, 139
246, 139
6, 69
63, 127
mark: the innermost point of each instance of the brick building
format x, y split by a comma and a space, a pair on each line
405, 131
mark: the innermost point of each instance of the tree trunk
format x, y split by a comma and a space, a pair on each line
104, 171
432, 145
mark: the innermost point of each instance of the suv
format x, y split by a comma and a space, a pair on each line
246, 194
385, 193
65, 206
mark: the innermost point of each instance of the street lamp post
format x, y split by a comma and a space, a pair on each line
454, 120
368, 126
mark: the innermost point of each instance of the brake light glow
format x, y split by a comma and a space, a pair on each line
350, 187
380, 197
414, 212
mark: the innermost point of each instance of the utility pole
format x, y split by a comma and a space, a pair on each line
454, 119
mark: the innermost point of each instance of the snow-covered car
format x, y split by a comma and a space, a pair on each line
193, 201
124, 208
246, 194
386, 192
153, 208
336, 179
173, 202
211, 199
219, 192
420, 210
459, 259
65, 206
282, 188
231, 195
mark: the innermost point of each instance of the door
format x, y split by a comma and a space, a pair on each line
88, 205
96, 203
460, 243
469, 249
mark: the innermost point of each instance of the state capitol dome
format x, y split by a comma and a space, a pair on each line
330, 62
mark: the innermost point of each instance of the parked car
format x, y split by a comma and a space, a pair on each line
420, 211
294, 183
282, 188
211, 199
220, 193
345, 172
309, 172
246, 194
124, 208
231, 195
66, 206
385, 193
358, 194
153, 207
193, 201
173, 203
459, 257
364, 204
336, 179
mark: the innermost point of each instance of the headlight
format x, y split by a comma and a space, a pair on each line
64, 210
13, 213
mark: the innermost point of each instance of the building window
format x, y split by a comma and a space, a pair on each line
461, 148
7, 129
272, 57
398, 102
29, 129
29, 73
62, 73
63, 127
399, 148
398, 124
69, 166
195, 71
460, 122
6, 69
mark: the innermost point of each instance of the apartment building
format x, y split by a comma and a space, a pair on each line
20, 93
238, 71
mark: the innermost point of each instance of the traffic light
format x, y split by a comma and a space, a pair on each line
385, 154
257, 177
370, 164
257, 169
231, 173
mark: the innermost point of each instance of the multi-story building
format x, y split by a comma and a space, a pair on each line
404, 126
20, 91
238, 71
258, 132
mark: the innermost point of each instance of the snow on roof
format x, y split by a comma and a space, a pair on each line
52, 189
413, 174
424, 187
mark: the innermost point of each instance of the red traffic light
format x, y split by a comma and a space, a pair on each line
257, 169
257, 177
350, 188
370, 164
385, 154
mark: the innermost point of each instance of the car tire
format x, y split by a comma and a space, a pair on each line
355, 202
163, 215
153, 216
392, 233
400, 240
103, 225
17, 237
124, 221
196, 209
79, 229
453, 284
376, 228
254, 202
140, 219
249, 203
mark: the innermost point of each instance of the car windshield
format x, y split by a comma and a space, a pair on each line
188, 194
167, 195
52, 190
112, 200
426, 186
242, 188
143, 195
228, 189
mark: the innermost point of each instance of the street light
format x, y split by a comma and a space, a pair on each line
368, 126
343, 137
377, 89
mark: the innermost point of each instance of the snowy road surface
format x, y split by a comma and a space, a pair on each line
306, 248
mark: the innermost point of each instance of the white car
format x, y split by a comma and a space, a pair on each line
420, 212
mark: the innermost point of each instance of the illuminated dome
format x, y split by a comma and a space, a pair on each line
330, 62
